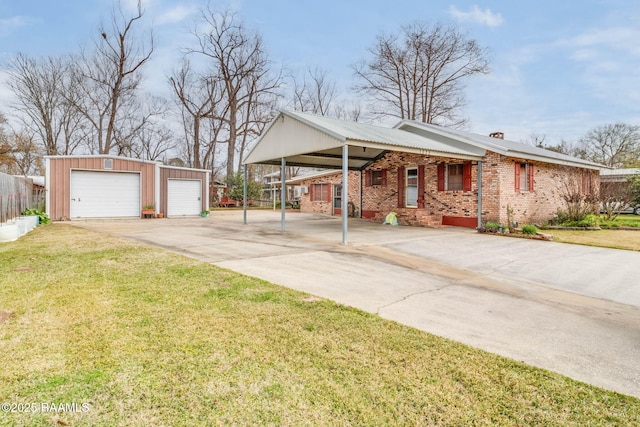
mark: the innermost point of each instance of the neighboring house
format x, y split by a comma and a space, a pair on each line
620, 176
111, 187
428, 175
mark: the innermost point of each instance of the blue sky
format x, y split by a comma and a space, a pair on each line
558, 68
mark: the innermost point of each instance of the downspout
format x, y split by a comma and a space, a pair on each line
345, 191
47, 187
479, 194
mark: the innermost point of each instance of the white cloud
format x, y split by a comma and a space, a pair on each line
7, 25
608, 39
483, 17
176, 14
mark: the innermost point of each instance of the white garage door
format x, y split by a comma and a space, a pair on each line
104, 194
184, 197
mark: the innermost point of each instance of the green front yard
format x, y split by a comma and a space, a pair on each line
144, 337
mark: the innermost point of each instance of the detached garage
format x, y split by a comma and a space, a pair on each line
119, 187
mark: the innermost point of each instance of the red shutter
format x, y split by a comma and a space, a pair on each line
466, 176
367, 178
440, 176
517, 176
530, 168
329, 193
584, 183
311, 187
401, 187
421, 186
384, 177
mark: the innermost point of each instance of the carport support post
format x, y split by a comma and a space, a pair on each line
479, 195
345, 191
283, 191
244, 194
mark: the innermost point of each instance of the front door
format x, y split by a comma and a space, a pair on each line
337, 199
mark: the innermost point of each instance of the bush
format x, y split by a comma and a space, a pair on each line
492, 226
588, 221
529, 229
44, 218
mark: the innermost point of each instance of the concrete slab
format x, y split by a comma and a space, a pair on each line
570, 309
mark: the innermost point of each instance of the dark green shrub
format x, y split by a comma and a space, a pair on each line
529, 229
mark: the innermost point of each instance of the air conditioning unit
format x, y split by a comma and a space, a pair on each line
305, 189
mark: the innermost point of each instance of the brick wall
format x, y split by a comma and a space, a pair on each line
539, 205
498, 189
326, 207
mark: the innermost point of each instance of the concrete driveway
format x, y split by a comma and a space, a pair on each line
567, 308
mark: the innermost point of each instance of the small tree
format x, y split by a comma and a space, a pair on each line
615, 197
235, 187
578, 203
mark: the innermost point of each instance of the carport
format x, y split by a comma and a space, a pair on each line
298, 139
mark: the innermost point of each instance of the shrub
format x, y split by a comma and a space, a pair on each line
529, 229
44, 218
492, 226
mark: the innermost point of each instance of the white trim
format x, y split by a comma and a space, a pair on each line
111, 173
183, 168
156, 187
169, 180
47, 185
406, 186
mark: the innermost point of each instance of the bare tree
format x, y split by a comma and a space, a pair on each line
6, 161
39, 86
237, 57
106, 80
615, 145
615, 197
315, 93
199, 96
26, 154
419, 73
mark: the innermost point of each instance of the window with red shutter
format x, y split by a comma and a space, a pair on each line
421, 186
466, 176
441, 168
524, 177
401, 187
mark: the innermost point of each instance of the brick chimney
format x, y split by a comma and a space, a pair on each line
499, 135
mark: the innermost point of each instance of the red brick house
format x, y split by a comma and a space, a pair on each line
427, 174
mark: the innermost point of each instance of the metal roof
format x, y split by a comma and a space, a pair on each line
497, 145
315, 141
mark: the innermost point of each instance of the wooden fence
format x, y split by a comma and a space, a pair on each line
16, 195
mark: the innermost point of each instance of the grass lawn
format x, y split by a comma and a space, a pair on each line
618, 239
144, 337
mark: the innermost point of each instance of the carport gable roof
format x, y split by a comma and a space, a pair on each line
315, 141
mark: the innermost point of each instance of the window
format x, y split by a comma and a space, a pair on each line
320, 192
412, 187
454, 176
524, 177
587, 184
376, 178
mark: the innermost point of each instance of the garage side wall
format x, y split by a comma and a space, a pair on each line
167, 173
59, 174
